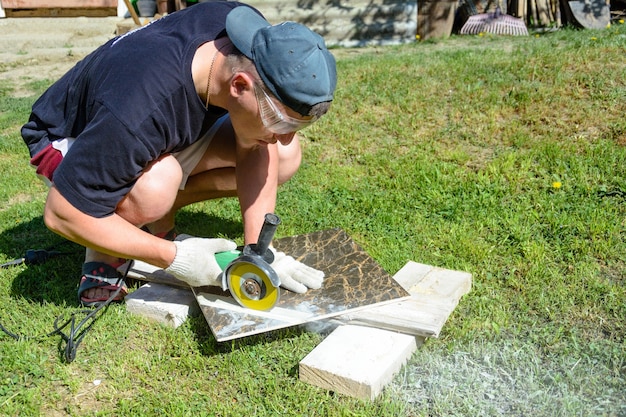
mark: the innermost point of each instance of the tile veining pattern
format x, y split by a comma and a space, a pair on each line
353, 281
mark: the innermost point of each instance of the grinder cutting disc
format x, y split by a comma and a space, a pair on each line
251, 286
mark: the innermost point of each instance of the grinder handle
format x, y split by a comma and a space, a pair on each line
267, 234
259, 249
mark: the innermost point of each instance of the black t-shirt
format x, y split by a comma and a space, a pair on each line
127, 103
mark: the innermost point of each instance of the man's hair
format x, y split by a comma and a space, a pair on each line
239, 62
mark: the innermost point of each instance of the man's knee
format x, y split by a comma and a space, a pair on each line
290, 159
154, 193
161, 176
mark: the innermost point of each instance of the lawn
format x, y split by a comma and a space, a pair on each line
503, 157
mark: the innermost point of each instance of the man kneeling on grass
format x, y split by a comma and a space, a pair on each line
201, 104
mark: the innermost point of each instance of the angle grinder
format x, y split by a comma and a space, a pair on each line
247, 273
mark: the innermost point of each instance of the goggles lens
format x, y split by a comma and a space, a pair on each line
273, 119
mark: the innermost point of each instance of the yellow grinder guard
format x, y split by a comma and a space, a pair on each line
249, 281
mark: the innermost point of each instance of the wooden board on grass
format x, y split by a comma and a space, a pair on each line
435, 293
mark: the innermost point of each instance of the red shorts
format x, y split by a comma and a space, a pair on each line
49, 158
47, 161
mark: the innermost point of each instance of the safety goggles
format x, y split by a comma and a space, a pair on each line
273, 119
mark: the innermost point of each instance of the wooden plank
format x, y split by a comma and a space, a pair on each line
357, 361
437, 282
532, 12
61, 12
58, 4
556, 12
543, 13
519, 9
416, 317
435, 293
167, 305
132, 12
411, 274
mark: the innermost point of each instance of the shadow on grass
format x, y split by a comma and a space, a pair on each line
52, 280
209, 346
55, 280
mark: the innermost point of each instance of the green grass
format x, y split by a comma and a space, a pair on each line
503, 157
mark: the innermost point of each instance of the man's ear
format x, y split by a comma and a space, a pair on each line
240, 83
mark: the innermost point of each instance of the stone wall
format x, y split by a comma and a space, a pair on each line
348, 22
341, 22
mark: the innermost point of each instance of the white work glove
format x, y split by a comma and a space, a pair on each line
195, 262
294, 275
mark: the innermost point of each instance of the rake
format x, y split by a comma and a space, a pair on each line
497, 23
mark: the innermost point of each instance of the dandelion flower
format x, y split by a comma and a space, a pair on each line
556, 185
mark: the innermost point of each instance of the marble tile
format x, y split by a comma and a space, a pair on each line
353, 281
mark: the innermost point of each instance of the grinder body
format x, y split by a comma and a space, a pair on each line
247, 273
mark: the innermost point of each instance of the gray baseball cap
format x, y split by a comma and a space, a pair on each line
291, 59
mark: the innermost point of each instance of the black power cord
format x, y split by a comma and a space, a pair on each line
34, 257
76, 333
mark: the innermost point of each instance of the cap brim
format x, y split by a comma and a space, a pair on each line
242, 23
